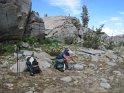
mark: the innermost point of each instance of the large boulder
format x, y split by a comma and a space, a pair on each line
64, 33
20, 67
35, 27
60, 28
13, 18
43, 59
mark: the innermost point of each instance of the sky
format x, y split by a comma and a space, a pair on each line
107, 12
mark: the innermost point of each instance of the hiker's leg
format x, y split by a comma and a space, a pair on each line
66, 64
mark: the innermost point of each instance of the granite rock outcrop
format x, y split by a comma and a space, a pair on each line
13, 16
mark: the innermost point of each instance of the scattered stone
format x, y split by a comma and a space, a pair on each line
76, 82
111, 63
89, 71
95, 58
25, 45
38, 49
66, 79
92, 66
78, 66
120, 60
97, 90
32, 88
117, 73
10, 86
27, 53
103, 80
25, 84
104, 59
29, 92
54, 78
105, 85
4, 65
111, 55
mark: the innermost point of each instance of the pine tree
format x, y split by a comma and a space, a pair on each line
84, 16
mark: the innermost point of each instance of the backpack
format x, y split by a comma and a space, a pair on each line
36, 68
34, 65
59, 64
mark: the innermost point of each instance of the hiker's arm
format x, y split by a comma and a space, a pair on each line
69, 58
73, 59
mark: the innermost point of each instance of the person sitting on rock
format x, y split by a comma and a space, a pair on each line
67, 57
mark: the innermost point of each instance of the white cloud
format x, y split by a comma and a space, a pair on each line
70, 6
119, 24
115, 18
112, 32
121, 13
104, 21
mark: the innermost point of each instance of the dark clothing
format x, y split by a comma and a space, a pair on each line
29, 67
34, 63
33, 68
64, 53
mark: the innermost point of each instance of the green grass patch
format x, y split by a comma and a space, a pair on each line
54, 48
6, 48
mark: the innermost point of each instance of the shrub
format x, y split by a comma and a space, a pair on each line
110, 45
54, 49
47, 41
121, 43
76, 23
7, 48
36, 41
91, 40
121, 65
30, 40
68, 40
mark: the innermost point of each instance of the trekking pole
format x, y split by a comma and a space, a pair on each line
18, 64
17, 60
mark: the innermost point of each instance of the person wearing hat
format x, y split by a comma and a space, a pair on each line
66, 56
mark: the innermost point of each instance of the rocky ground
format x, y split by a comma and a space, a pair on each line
96, 71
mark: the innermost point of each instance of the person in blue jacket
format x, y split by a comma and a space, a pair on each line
66, 56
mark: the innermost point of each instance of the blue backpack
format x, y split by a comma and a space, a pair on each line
59, 63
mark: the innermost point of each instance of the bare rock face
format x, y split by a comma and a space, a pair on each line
13, 18
35, 27
60, 28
